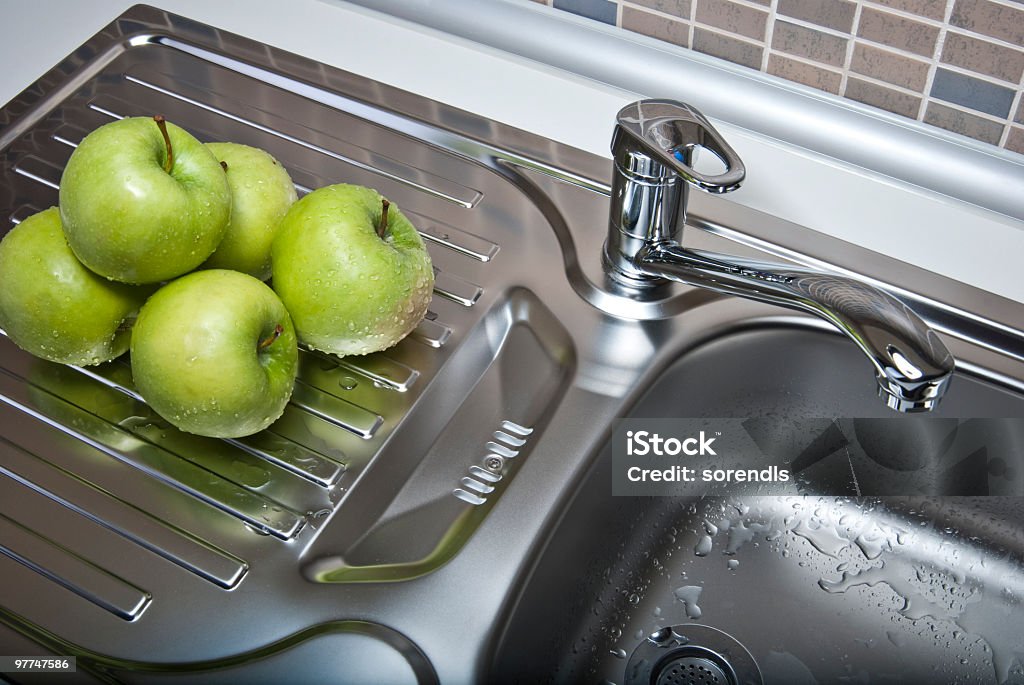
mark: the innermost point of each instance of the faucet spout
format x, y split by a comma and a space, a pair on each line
912, 365
654, 148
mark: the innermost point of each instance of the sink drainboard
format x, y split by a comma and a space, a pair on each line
381, 468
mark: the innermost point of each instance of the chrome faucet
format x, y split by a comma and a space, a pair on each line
654, 149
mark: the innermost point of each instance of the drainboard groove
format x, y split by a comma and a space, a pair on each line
183, 473
430, 229
446, 285
69, 570
301, 461
437, 186
23, 212
67, 489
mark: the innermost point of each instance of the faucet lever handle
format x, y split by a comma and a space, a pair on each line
671, 132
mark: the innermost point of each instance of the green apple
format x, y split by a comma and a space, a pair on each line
352, 270
55, 308
261, 193
214, 353
142, 201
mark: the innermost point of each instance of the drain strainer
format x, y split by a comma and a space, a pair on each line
692, 670
691, 655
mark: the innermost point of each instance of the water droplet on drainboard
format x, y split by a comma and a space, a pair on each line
348, 383
258, 530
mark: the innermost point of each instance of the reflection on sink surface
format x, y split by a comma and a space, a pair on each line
817, 589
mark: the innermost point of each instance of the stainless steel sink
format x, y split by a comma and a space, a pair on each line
421, 515
814, 589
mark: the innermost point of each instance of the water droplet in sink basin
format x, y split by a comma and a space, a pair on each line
825, 539
688, 595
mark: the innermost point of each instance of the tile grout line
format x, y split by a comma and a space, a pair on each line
841, 34
991, 118
940, 42
831, 68
1014, 106
895, 50
933, 62
730, 34
992, 80
774, 16
752, 4
998, 42
624, 4
897, 12
848, 57
692, 33
882, 82
726, 33
1012, 4
903, 14
769, 34
936, 59
803, 23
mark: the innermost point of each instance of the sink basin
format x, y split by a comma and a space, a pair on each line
812, 588
442, 511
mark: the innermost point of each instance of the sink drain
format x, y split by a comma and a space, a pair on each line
692, 670
691, 655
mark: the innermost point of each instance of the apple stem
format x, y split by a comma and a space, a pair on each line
382, 227
224, 165
269, 340
162, 123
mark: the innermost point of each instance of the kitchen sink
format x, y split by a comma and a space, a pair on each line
810, 588
443, 511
